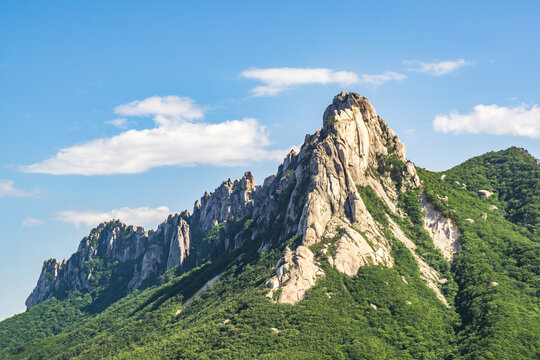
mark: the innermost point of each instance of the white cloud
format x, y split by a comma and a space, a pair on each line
166, 109
135, 151
119, 123
7, 189
172, 142
520, 120
437, 68
31, 222
276, 80
379, 79
143, 216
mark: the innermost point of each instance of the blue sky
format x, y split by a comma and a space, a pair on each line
133, 109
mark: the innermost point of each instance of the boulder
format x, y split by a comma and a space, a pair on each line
484, 193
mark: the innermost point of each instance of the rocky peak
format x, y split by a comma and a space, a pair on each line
229, 200
314, 197
49, 273
355, 148
352, 120
346, 102
352, 150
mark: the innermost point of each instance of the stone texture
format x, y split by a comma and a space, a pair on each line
179, 248
485, 193
296, 274
443, 231
348, 151
313, 196
430, 276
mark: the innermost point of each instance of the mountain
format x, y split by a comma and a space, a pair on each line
348, 251
313, 196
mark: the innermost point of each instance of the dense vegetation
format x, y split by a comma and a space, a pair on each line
498, 268
513, 175
412, 226
46, 319
381, 313
233, 320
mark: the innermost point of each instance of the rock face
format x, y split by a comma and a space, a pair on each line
46, 282
485, 193
443, 231
140, 254
351, 150
297, 269
314, 197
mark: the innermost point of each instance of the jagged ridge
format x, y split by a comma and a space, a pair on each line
313, 196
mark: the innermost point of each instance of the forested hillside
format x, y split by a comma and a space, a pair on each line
379, 313
348, 252
498, 268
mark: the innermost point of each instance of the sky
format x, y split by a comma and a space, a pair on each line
132, 109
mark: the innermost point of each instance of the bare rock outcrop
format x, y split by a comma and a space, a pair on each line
179, 248
313, 197
49, 273
350, 151
485, 193
296, 273
143, 254
443, 231
229, 200
354, 250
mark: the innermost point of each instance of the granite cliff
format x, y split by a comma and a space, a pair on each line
312, 205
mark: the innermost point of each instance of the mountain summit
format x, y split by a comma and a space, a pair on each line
349, 251
314, 196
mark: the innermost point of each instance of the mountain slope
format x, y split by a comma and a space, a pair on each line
349, 251
313, 194
498, 269
512, 175
234, 320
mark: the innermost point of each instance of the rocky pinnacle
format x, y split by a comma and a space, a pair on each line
313, 197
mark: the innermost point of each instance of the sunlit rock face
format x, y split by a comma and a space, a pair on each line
349, 151
443, 231
312, 198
